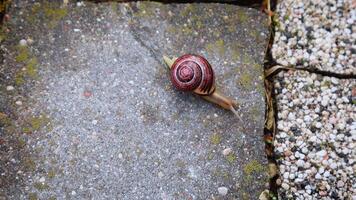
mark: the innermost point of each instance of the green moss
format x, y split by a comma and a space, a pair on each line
21, 142
231, 158
241, 16
286, 17
23, 54
146, 9
19, 78
246, 80
245, 196
210, 155
215, 139
218, 46
51, 174
35, 124
275, 21
35, 9
254, 34
3, 34
255, 112
188, 30
41, 186
31, 67
32, 196
187, 10
198, 24
235, 54
53, 15
29, 164
253, 167
5, 120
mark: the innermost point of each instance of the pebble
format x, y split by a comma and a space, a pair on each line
223, 191
300, 163
285, 186
42, 179
10, 88
23, 42
19, 103
227, 151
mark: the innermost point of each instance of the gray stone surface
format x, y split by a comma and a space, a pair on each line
88, 111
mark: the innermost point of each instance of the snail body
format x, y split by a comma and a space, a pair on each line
194, 73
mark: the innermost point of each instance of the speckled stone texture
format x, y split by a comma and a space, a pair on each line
87, 110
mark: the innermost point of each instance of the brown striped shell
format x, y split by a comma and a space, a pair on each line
193, 73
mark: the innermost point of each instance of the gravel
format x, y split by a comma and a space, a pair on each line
317, 34
316, 137
316, 156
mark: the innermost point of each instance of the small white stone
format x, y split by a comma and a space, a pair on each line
300, 163
285, 186
74, 193
340, 184
223, 191
318, 176
120, 156
23, 42
10, 87
227, 151
42, 179
94, 122
19, 103
318, 125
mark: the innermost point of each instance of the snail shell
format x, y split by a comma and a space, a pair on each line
193, 73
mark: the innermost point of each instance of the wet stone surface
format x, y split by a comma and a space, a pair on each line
87, 109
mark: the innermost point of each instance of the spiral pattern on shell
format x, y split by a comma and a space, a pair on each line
190, 72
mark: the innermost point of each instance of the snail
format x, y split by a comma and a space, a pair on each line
193, 73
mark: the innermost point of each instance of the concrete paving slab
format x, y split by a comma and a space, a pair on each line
88, 111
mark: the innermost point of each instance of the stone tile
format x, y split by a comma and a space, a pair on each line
99, 118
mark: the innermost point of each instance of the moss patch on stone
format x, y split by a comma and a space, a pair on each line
41, 186
52, 14
25, 57
23, 54
35, 123
217, 46
253, 167
29, 164
245, 80
215, 139
242, 17
51, 174
32, 196
231, 158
